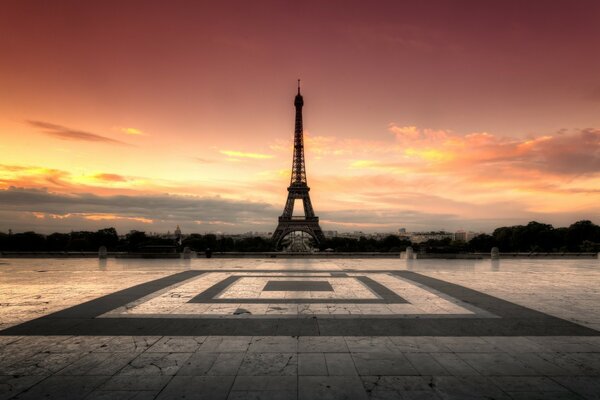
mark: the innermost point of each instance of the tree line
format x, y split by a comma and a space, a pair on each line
582, 236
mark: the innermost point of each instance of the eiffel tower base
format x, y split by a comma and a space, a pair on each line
287, 226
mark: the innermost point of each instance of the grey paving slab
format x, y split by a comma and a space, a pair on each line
418, 344
454, 365
498, 364
298, 286
383, 364
156, 364
265, 383
12, 385
63, 387
269, 364
322, 344
312, 364
121, 395
585, 386
204, 363
274, 344
263, 395
177, 344
472, 387
197, 387
153, 383
99, 364
340, 364
127, 344
330, 387
513, 384
426, 364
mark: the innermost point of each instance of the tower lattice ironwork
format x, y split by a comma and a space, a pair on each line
298, 190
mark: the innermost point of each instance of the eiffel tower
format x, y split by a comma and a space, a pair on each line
298, 189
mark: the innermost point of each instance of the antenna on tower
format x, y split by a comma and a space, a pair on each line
298, 86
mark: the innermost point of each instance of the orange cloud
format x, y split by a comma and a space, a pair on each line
241, 154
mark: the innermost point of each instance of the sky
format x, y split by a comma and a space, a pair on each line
420, 115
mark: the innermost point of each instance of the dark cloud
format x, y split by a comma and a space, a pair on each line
65, 133
164, 209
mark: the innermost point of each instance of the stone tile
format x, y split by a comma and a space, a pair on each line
468, 344
383, 364
121, 395
63, 387
128, 344
381, 344
587, 387
340, 364
425, 364
274, 344
41, 364
330, 387
15, 384
98, 364
471, 387
528, 384
197, 387
205, 363
263, 395
177, 344
418, 344
497, 364
156, 364
265, 383
322, 344
312, 364
152, 383
79, 344
454, 365
269, 364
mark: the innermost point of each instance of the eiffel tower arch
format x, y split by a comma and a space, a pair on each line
298, 190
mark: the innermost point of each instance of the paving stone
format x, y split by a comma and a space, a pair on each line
197, 387
497, 364
12, 385
587, 387
322, 344
121, 395
330, 387
263, 395
454, 365
274, 344
383, 364
127, 344
269, 364
312, 364
426, 364
340, 364
177, 344
418, 344
265, 383
528, 384
135, 382
156, 364
63, 387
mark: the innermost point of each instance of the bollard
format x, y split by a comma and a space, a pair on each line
208, 253
102, 252
495, 253
187, 253
410, 253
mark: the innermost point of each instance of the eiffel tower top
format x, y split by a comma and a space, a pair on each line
298, 101
298, 169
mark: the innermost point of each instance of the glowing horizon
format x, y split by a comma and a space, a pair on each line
415, 117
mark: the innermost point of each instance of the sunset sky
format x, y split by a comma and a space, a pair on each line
424, 115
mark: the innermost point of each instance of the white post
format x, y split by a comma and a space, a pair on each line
495, 254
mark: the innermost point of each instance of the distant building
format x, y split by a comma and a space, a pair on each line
330, 234
420, 237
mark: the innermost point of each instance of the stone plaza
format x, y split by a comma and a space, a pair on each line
306, 328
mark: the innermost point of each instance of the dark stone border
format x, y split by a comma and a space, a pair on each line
386, 296
515, 320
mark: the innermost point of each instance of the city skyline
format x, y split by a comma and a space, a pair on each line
459, 116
